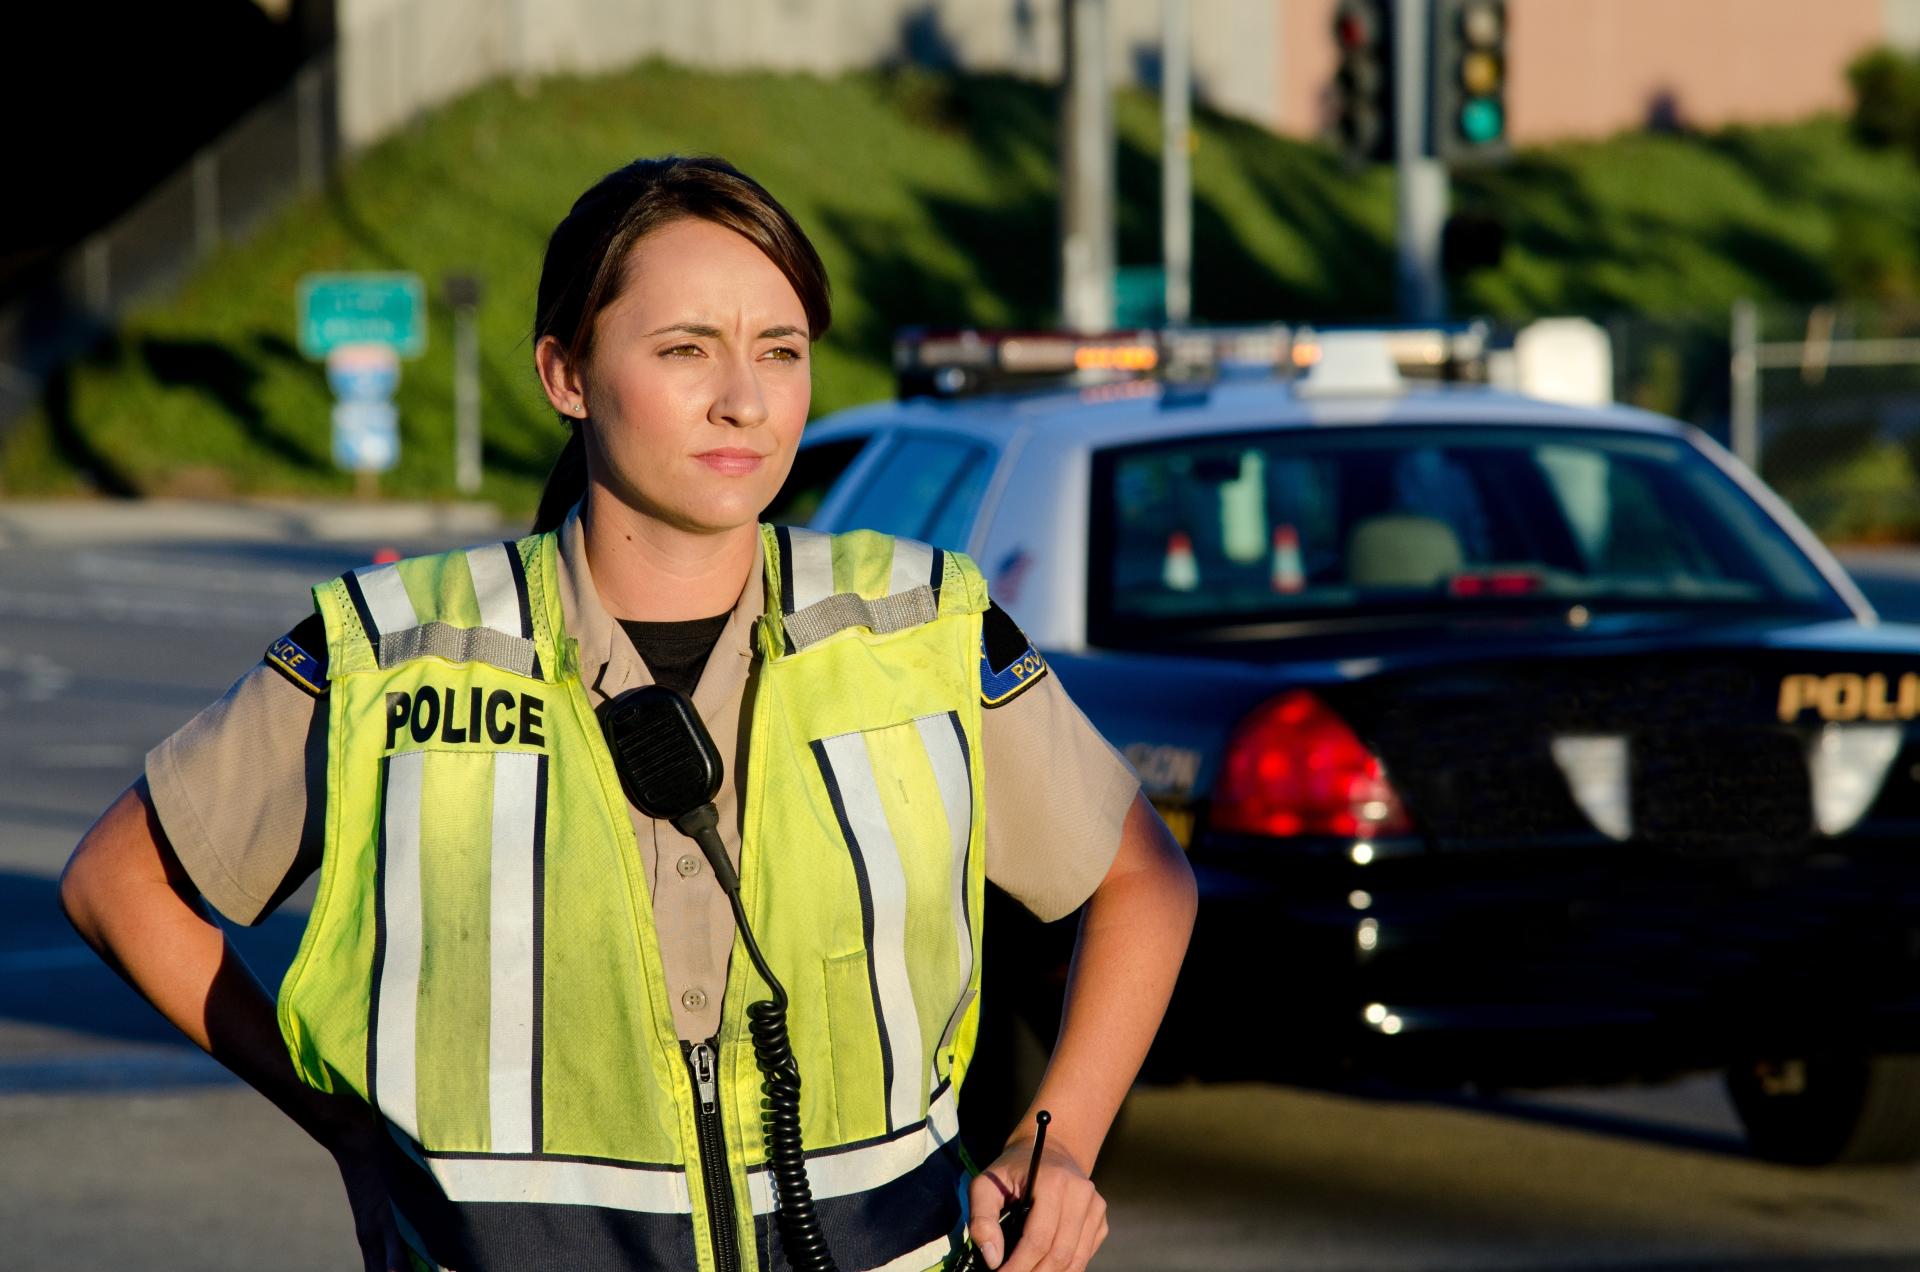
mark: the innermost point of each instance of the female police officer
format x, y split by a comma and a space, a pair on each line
518, 1021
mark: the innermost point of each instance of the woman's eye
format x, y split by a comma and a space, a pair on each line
784, 354
682, 351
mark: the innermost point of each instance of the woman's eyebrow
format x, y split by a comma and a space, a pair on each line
714, 333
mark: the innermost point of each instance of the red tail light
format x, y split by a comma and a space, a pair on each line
1293, 767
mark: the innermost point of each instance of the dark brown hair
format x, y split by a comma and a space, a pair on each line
583, 271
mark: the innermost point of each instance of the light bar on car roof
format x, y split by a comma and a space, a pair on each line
959, 363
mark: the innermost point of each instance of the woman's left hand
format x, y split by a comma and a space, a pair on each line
1066, 1225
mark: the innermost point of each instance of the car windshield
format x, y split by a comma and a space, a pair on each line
1257, 528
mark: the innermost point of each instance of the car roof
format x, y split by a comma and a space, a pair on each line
1141, 409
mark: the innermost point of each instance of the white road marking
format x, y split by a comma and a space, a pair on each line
103, 567
81, 755
154, 611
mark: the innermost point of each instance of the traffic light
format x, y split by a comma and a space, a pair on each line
1470, 80
1363, 86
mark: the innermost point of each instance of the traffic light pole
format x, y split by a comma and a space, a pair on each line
1176, 159
1087, 196
1421, 212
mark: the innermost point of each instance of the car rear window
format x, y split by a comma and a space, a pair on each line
1261, 527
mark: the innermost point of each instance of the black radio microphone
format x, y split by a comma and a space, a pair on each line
671, 770
669, 767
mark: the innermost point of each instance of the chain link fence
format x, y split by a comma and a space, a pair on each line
281, 149
1822, 400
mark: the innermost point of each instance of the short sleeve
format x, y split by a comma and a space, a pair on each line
232, 790
1057, 796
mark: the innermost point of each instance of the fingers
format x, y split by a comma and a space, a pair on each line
1065, 1207
986, 1197
1093, 1235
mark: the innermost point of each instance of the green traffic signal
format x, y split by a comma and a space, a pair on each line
1482, 120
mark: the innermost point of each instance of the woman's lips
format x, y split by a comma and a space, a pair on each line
732, 463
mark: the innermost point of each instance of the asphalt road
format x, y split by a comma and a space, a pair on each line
122, 1147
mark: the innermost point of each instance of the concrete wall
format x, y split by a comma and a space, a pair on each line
1579, 68
400, 57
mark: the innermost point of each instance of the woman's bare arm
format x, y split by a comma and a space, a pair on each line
1133, 937
129, 898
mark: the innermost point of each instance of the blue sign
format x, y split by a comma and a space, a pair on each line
366, 436
363, 373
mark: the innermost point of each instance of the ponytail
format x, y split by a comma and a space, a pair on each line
566, 484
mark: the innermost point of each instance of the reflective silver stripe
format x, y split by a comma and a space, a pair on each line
458, 645
811, 566
941, 735
387, 599
844, 1172
396, 1090
646, 1190
495, 589
929, 1255
516, 777
887, 889
848, 609
912, 566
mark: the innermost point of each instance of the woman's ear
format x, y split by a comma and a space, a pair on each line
566, 388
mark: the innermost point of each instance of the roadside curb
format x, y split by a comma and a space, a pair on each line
85, 521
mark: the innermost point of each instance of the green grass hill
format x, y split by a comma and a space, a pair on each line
932, 199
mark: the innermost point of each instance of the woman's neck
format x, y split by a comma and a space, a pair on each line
647, 570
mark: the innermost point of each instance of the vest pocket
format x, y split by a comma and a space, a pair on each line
859, 1085
903, 797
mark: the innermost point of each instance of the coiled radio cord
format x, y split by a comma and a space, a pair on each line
800, 1235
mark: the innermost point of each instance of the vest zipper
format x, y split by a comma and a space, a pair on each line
713, 1156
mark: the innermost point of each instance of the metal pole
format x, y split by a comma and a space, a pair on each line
466, 400
206, 202
1176, 159
463, 296
1087, 173
1421, 201
96, 274
1743, 423
308, 124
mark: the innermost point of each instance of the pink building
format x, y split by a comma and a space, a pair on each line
1587, 68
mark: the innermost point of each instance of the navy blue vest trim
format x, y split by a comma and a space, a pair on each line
871, 1229
500, 1236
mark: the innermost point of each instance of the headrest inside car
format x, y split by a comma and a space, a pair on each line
1401, 550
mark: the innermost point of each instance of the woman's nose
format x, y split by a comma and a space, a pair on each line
740, 403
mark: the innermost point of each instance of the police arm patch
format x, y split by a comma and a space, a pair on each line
291, 656
1009, 663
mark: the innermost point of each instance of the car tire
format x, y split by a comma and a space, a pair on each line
1824, 1110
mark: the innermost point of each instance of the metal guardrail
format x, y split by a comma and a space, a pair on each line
281, 149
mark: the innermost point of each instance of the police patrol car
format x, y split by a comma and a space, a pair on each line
1513, 742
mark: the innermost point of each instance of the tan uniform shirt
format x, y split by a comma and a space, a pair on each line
239, 790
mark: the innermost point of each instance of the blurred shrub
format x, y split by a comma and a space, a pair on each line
1875, 257
1847, 484
1886, 98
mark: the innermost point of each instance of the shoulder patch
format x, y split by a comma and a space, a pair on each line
1008, 661
291, 656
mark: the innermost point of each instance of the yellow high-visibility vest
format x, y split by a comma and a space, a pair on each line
480, 964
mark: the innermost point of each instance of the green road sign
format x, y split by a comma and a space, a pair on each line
349, 309
1139, 296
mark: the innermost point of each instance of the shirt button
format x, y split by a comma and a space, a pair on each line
688, 866
694, 999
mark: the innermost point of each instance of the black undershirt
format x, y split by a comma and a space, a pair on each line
676, 653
